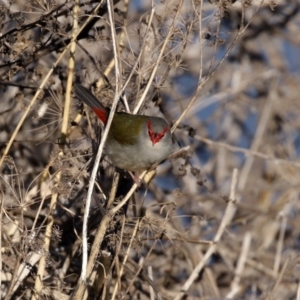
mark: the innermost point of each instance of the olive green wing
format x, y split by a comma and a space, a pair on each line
126, 128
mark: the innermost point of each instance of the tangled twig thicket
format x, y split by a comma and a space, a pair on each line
219, 220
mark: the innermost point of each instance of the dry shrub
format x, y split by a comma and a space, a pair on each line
220, 218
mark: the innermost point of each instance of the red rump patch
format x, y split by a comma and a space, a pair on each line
155, 137
101, 114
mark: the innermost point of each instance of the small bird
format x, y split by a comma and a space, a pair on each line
134, 142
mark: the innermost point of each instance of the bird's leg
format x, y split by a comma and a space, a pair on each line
136, 179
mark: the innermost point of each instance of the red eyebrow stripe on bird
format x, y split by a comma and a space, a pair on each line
101, 114
155, 137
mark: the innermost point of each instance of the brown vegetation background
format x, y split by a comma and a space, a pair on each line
220, 220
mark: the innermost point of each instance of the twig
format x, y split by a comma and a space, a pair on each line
248, 152
48, 233
263, 121
24, 270
280, 243
99, 153
100, 149
235, 285
100, 236
201, 84
278, 280
161, 53
228, 215
125, 259
150, 274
